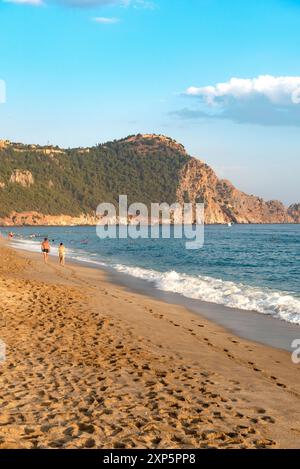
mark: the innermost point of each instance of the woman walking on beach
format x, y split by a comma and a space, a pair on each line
61, 254
45, 249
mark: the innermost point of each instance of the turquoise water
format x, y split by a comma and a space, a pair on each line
252, 267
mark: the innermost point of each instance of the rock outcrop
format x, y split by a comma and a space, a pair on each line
294, 213
39, 219
24, 178
4, 143
142, 142
223, 202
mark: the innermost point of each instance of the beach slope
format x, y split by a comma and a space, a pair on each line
92, 365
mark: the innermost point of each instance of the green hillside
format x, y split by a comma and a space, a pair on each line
75, 181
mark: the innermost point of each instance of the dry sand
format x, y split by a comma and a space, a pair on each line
91, 365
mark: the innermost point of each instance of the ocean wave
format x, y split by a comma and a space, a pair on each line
26, 245
279, 304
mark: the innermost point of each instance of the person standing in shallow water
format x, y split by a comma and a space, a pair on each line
61, 254
45, 246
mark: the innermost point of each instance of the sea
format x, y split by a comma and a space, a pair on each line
250, 267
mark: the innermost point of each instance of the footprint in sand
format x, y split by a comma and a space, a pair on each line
267, 418
281, 385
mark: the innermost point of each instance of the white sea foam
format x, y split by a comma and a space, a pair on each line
26, 245
279, 304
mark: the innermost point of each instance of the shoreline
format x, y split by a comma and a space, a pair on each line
107, 358
34, 225
249, 325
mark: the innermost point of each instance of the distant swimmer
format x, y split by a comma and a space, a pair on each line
61, 254
10, 235
45, 246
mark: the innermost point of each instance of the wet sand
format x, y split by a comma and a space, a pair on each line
92, 365
250, 325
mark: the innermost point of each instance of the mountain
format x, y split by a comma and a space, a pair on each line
41, 185
294, 213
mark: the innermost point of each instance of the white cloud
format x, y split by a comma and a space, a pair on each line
2, 92
105, 20
277, 90
264, 100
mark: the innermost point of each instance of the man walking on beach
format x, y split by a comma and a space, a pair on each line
61, 254
45, 249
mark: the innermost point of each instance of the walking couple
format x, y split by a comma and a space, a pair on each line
46, 248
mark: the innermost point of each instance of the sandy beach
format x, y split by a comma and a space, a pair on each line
92, 365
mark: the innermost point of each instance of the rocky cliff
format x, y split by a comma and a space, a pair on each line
53, 186
224, 203
294, 213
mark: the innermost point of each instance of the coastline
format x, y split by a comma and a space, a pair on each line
250, 325
103, 358
68, 221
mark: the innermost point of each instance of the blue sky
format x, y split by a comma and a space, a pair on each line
81, 72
